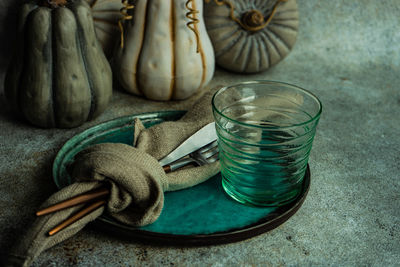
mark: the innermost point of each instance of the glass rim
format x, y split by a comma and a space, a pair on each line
313, 96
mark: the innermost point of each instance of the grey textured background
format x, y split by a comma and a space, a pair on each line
348, 54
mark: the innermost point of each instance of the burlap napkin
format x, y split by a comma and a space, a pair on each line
136, 179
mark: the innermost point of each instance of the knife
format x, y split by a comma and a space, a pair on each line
202, 137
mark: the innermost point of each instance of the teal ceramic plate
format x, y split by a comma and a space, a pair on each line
200, 215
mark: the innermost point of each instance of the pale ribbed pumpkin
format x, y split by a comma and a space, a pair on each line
106, 14
158, 58
59, 76
251, 36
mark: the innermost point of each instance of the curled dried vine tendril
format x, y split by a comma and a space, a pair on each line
125, 16
254, 24
192, 15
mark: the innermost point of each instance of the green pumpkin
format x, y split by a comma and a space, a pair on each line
59, 76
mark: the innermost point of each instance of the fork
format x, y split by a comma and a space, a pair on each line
204, 155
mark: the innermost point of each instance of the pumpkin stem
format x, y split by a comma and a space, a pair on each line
55, 3
253, 18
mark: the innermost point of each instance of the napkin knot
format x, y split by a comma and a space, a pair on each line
136, 179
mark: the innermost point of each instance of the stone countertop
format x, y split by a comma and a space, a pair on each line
348, 54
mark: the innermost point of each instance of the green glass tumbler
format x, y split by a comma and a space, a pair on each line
265, 133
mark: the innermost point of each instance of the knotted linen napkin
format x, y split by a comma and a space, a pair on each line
136, 179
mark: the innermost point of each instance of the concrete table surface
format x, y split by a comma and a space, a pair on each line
348, 54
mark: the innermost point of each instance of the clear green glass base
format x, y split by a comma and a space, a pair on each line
259, 199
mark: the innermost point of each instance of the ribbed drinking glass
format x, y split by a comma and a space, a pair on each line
265, 133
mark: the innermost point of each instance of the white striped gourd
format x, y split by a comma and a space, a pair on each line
158, 58
59, 76
257, 35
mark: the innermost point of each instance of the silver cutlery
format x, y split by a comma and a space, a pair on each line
205, 155
202, 137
